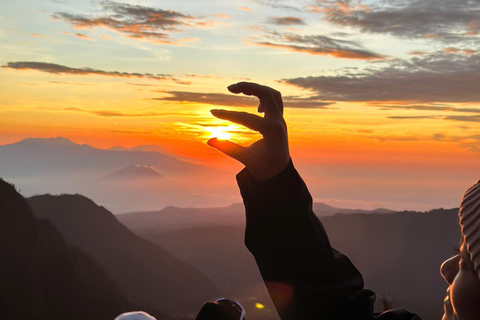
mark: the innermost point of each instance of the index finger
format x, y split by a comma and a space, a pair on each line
268, 97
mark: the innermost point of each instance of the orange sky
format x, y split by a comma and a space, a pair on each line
374, 102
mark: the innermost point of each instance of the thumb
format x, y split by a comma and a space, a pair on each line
229, 148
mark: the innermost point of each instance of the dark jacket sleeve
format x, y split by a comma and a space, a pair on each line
305, 277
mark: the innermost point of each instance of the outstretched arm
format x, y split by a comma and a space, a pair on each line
306, 278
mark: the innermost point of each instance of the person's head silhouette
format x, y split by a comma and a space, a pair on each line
462, 272
221, 309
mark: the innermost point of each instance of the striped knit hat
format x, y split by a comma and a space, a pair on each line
470, 222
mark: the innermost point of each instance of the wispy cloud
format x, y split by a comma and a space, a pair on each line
111, 113
431, 108
72, 83
442, 20
316, 45
450, 50
133, 132
137, 22
471, 118
222, 16
286, 21
64, 70
79, 35
412, 117
278, 4
238, 101
430, 78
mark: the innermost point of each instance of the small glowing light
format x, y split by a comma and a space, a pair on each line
259, 306
219, 133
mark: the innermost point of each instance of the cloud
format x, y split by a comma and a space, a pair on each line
431, 108
461, 118
418, 52
471, 118
239, 101
79, 35
222, 16
137, 22
431, 78
106, 37
245, 8
442, 20
133, 132
412, 117
316, 45
111, 113
64, 70
72, 83
450, 50
141, 84
281, 4
286, 21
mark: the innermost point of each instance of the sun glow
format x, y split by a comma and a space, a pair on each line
219, 133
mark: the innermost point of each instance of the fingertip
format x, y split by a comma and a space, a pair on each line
234, 88
212, 142
260, 108
218, 112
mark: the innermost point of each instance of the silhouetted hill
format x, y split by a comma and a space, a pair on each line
323, 210
144, 272
173, 218
398, 254
43, 277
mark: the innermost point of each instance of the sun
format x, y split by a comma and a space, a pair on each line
219, 133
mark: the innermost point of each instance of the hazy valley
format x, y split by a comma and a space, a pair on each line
173, 250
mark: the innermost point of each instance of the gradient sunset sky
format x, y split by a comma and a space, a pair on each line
381, 97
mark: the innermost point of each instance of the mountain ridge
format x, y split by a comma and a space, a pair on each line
43, 276
143, 271
172, 217
58, 165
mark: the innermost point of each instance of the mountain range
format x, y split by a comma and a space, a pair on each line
114, 178
144, 272
59, 156
399, 254
173, 218
134, 173
42, 276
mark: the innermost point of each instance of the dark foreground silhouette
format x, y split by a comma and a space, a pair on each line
43, 277
145, 273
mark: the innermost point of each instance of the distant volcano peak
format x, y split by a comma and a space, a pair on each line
48, 141
134, 172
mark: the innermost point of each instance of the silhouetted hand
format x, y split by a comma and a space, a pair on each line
268, 156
